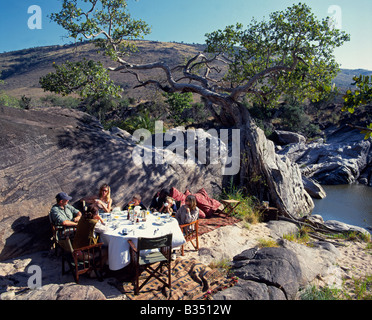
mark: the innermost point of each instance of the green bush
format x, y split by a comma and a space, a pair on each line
9, 101
247, 209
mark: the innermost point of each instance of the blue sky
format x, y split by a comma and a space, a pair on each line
190, 20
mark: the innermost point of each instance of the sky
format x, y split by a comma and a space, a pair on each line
189, 20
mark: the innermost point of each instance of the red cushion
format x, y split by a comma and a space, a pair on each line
205, 203
177, 195
202, 215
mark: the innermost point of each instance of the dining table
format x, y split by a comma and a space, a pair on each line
119, 229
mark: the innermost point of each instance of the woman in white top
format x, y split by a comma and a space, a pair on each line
103, 201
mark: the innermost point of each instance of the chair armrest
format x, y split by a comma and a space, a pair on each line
189, 224
97, 245
133, 247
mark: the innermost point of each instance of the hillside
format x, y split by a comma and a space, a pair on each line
22, 69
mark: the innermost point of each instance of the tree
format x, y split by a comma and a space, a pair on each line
361, 96
178, 102
291, 53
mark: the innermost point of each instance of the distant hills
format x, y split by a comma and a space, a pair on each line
22, 69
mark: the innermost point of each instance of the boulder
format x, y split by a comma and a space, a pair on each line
49, 150
273, 273
345, 158
250, 290
278, 273
70, 291
285, 189
313, 261
344, 227
282, 138
314, 189
280, 228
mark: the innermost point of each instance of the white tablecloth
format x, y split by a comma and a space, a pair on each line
118, 246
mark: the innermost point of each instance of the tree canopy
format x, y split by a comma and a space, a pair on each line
291, 52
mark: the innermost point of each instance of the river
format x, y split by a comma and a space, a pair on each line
351, 204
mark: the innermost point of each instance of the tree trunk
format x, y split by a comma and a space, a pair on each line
266, 175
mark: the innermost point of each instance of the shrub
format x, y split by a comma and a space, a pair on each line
247, 209
9, 101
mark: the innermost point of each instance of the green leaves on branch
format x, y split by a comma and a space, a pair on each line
293, 51
361, 96
87, 78
178, 102
106, 21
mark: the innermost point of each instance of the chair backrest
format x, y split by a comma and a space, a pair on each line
154, 243
66, 245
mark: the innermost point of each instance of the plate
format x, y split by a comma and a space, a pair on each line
159, 223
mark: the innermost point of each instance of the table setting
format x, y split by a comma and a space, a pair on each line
121, 227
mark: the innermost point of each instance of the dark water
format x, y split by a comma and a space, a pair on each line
351, 204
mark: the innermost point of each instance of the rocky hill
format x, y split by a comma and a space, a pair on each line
21, 70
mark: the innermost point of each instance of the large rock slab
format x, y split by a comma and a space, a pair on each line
70, 291
49, 150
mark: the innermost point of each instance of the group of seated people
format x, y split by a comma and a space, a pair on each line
89, 222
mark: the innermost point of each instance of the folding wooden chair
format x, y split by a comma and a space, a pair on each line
144, 261
190, 232
81, 260
230, 206
60, 233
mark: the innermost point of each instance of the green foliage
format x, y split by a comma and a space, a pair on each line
302, 236
106, 21
87, 77
25, 102
352, 236
290, 116
247, 209
9, 101
224, 265
314, 293
178, 103
360, 289
291, 53
142, 121
361, 96
267, 243
294, 118
56, 100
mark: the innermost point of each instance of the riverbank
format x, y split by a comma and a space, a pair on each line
353, 261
